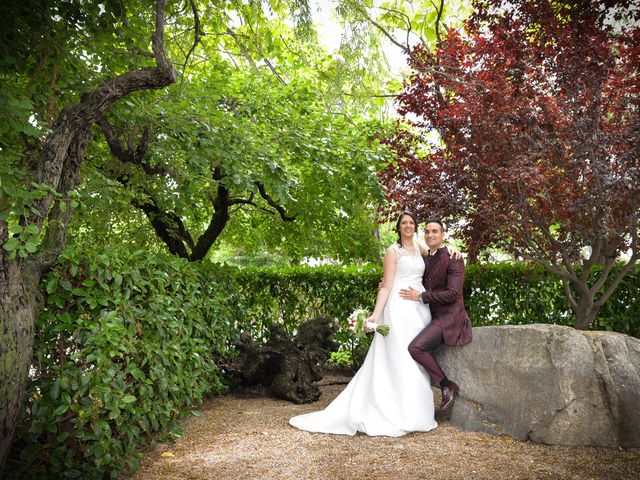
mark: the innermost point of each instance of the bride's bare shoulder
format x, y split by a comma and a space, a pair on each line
393, 249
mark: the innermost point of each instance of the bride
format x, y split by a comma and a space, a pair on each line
391, 393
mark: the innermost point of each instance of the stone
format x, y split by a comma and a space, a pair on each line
549, 384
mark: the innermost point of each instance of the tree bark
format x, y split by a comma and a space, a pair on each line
20, 302
287, 368
59, 163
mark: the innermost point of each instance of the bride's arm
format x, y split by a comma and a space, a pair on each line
389, 268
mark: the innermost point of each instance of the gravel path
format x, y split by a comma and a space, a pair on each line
247, 437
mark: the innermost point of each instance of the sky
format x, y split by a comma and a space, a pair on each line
330, 32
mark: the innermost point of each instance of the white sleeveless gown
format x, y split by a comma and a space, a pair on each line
391, 394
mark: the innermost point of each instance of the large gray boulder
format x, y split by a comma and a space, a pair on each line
548, 384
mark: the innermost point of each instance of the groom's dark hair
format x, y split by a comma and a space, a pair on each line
435, 220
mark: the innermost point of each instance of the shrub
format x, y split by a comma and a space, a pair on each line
129, 342
125, 344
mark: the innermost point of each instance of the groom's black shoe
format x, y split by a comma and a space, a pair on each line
448, 396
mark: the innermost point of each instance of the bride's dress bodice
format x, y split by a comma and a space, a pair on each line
409, 269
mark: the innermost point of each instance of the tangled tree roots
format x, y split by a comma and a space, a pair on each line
286, 367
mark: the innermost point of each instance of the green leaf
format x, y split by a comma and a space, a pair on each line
55, 390
52, 285
60, 410
11, 244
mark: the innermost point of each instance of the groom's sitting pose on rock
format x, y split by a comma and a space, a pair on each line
443, 279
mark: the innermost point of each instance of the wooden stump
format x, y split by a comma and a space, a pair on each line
286, 367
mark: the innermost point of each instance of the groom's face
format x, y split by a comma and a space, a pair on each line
433, 235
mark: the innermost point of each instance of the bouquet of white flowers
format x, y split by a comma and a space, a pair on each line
358, 322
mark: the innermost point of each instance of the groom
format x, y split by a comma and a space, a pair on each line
443, 278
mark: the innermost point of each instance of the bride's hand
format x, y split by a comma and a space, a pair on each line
454, 253
371, 319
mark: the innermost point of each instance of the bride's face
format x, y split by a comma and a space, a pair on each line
407, 226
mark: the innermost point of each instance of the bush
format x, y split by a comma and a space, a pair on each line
124, 345
517, 293
291, 294
129, 342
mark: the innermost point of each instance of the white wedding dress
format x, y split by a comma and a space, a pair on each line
391, 393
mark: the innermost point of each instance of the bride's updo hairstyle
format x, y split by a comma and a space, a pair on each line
402, 214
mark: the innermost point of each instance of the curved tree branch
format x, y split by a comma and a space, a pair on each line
219, 219
245, 53
77, 118
129, 154
168, 226
385, 32
440, 10
198, 33
272, 203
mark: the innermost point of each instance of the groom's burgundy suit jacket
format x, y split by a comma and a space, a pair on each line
443, 279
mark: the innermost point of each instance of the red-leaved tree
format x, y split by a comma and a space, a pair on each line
525, 130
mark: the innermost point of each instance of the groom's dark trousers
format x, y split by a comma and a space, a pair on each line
422, 346
443, 279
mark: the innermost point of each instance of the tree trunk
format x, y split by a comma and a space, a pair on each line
20, 303
585, 312
60, 159
286, 367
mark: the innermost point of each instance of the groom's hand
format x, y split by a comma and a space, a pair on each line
410, 294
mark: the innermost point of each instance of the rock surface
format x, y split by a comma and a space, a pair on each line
548, 384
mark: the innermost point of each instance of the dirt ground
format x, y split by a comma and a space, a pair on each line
247, 437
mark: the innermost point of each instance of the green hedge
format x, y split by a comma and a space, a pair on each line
495, 294
129, 342
125, 344
516, 293
291, 294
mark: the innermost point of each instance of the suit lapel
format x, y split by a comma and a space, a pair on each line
431, 262
428, 264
